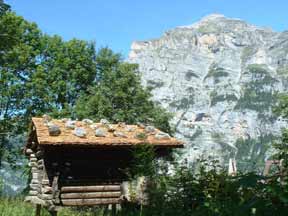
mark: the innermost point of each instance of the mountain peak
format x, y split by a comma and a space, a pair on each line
213, 16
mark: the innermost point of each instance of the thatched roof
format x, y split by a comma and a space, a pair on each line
131, 134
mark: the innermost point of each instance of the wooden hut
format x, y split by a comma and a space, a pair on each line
82, 163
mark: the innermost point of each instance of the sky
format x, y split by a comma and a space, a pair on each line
117, 23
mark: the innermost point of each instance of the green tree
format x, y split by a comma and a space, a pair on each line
19, 49
3, 7
65, 70
118, 95
38, 74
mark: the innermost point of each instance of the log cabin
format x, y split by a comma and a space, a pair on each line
83, 163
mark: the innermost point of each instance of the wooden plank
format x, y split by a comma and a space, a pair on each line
89, 202
90, 188
114, 194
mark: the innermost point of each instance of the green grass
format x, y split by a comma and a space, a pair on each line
17, 207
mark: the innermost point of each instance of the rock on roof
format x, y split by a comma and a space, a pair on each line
114, 134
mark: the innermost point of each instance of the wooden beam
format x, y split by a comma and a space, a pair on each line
114, 194
38, 210
89, 202
90, 188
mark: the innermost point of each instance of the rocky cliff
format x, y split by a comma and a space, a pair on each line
219, 77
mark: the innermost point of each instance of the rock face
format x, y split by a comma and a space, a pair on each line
219, 77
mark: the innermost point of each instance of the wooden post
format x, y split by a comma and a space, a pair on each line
38, 210
113, 209
105, 213
53, 213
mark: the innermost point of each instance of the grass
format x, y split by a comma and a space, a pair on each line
17, 207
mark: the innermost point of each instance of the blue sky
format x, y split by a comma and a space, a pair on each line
116, 23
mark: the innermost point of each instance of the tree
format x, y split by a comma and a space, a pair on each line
65, 70
3, 7
38, 74
19, 48
118, 95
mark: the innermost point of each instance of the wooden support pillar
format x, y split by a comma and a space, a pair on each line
106, 211
53, 213
38, 210
113, 209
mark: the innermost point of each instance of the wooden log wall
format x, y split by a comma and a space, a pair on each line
90, 195
81, 176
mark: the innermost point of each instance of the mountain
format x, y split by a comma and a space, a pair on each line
220, 77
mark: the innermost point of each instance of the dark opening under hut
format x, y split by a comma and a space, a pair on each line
81, 163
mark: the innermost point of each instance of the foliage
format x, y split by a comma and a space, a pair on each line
38, 74
256, 93
216, 73
210, 191
252, 152
281, 109
118, 95
215, 98
3, 7
190, 74
183, 103
144, 161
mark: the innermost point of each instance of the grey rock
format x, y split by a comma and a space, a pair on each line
119, 134
39, 154
32, 156
67, 164
29, 151
204, 74
149, 129
46, 196
162, 135
46, 190
33, 193
70, 124
100, 132
130, 128
54, 130
33, 160
45, 182
104, 121
34, 186
87, 121
80, 132
34, 200
32, 164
